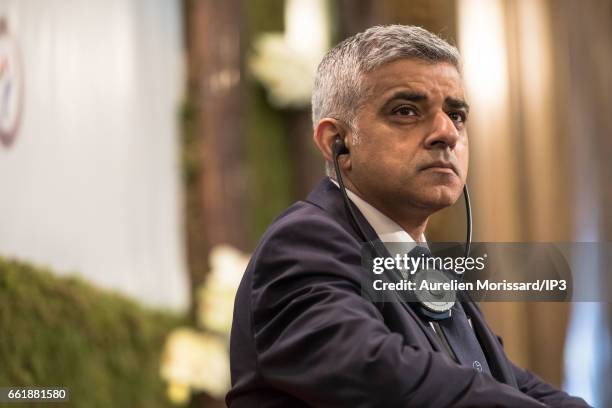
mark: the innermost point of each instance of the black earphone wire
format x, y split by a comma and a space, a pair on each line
468, 221
338, 149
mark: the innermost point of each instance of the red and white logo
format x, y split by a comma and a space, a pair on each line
11, 86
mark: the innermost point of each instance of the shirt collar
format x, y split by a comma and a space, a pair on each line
386, 229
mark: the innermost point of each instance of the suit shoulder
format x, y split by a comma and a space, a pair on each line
305, 240
303, 248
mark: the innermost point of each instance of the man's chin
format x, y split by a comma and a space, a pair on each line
439, 197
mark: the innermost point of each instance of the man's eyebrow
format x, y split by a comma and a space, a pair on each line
408, 96
456, 103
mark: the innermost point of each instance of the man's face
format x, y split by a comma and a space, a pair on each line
412, 147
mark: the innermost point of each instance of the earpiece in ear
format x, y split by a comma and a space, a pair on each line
339, 147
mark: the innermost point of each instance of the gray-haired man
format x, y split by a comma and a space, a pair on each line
303, 334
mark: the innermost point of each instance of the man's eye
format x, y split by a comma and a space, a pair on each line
405, 111
458, 117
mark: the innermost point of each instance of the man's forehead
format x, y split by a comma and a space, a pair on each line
432, 79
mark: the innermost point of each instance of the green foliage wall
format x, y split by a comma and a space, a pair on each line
64, 332
267, 158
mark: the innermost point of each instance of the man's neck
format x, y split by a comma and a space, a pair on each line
413, 222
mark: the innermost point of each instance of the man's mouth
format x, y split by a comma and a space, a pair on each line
441, 166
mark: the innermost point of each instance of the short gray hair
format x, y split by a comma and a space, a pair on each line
338, 92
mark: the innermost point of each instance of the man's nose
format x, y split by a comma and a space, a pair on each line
443, 132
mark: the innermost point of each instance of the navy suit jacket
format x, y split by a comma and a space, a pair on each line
303, 334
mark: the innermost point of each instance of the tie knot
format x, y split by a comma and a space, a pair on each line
419, 251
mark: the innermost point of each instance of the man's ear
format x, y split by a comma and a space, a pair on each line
325, 133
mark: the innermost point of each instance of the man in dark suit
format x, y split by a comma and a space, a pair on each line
303, 334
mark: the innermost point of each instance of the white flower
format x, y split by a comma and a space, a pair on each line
193, 360
216, 296
285, 63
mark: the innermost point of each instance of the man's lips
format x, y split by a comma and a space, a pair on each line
442, 166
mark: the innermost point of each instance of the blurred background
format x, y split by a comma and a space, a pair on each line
146, 145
